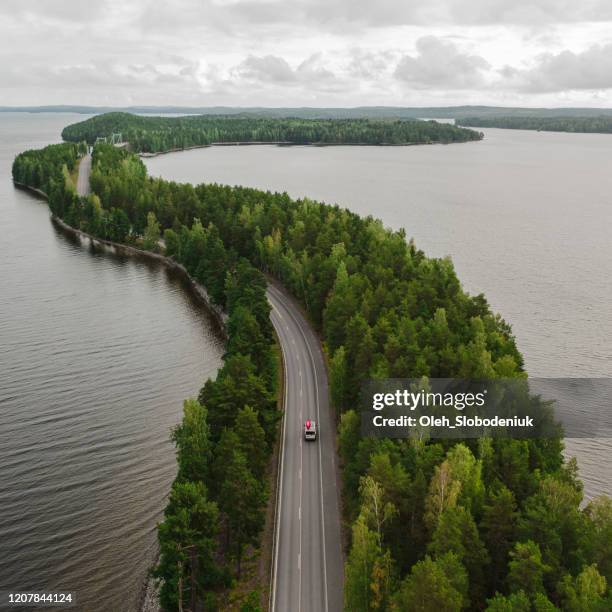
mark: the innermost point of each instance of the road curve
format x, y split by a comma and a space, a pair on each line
307, 561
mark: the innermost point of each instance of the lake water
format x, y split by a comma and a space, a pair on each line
97, 354
525, 216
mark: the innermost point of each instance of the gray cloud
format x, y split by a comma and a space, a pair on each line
370, 65
58, 10
357, 52
589, 70
239, 16
267, 68
274, 69
440, 64
339, 13
333, 14
524, 12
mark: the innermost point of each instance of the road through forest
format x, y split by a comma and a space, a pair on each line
307, 562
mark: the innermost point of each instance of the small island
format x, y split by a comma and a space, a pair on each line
161, 134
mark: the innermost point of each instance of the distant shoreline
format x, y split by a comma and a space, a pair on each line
327, 112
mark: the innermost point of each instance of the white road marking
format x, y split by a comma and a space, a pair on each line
279, 487
299, 506
314, 370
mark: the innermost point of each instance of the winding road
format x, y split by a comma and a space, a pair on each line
307, 559
307, 572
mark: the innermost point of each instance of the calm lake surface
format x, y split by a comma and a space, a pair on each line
97, 354
525, 216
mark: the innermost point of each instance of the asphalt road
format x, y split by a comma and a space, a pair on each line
82, 185
307, 561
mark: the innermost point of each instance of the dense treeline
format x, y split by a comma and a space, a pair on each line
154, 134
436, 525
217, 502
49, 170
600, 125
44, 169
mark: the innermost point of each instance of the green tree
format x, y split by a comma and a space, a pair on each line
375, 508
246, 337
338, 380
498, 527
252, 441
599, 512
467, 470
172, 241
456, 532
237, 385
380, 585
515, 602
223, 455
541, 603
429, 589
192, 440
152, 233
118, 225
340, 306
187, 535
552, 518
241, 499
443, 494
526, 570
363, 557
584, 593
93, 214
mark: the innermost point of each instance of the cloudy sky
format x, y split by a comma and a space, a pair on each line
306, 52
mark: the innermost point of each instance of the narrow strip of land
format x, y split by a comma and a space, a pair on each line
308, 569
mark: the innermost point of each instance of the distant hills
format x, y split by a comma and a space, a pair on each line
414, 112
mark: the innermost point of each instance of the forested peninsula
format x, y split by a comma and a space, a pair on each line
598, 125
158, 134
440, 525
